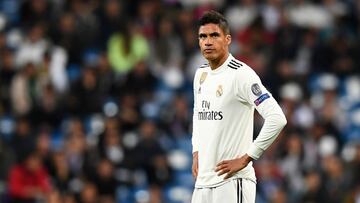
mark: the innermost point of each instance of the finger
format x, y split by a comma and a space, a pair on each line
222, 162
220, 167
194, 175
228, 175
223, 172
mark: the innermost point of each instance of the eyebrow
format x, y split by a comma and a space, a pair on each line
213, 34
202, 35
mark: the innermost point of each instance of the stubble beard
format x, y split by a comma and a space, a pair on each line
210, 57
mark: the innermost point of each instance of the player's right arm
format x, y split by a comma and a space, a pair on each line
195, 165
195, 133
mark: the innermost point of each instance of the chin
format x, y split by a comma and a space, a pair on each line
209, 57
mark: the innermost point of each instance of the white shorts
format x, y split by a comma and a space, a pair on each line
235, 191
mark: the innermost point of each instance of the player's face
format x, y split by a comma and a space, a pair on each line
213, 42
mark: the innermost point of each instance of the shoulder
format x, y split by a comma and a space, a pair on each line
243, 71
17, 170
203, 66
235, 64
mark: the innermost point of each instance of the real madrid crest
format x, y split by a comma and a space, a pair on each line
219, 91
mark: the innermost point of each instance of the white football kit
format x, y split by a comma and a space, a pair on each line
224, 103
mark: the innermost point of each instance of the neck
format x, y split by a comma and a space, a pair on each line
216, 63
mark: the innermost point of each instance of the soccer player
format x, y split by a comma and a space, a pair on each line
226, 92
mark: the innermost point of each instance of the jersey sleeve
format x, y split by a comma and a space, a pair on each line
195, 136
249, 89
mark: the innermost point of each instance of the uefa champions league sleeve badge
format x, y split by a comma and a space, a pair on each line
256, 90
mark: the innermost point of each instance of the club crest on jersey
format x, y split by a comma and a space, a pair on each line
255, 88
203, 77
219, 91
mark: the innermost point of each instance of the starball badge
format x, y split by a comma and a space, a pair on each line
203, 77
219, 91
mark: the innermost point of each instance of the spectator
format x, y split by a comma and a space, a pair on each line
7, 157
35, 11
23, 139
106, 77
140, 81
111, 16
314, 188
85, 95
61, 174
65, 34
242, 14
334, 179
105, 182
176, 119
34, 46
291, 166
89, 193
166, 39
23, 90
47, 111
87, 24
7, 73
76, 149
28, 180
129, 113
151, 158
111, 146
126, 48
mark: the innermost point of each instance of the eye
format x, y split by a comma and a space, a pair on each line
202, 36
215, 35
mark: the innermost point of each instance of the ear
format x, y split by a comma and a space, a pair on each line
228, 39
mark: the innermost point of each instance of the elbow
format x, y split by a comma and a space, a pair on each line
279, 120
282, 121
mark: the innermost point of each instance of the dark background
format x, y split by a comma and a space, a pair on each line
101, 93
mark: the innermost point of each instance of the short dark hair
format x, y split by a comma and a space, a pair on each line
215, 18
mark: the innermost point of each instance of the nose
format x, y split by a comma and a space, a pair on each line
208, 41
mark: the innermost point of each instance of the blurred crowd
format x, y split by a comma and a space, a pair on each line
96, 97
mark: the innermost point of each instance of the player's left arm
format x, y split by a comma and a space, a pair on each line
251, 90
269, 109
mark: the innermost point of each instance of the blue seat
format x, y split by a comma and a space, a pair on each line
7, 127
74, 72
124, 195
90, 56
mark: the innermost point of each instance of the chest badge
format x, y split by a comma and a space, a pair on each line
219, 91
203, 77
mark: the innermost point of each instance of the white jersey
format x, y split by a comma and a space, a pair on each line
224, 103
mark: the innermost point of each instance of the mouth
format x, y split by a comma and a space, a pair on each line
208, 50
